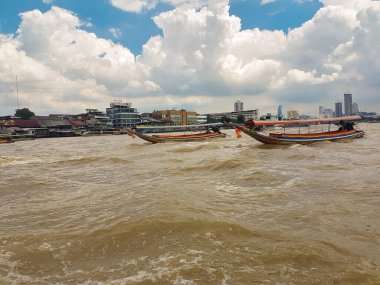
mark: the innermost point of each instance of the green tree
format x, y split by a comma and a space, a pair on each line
240, 119
24, 113
211, 120
225, 119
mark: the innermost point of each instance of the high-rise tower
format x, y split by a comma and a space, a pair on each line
279, 113
238, 106
338, 109
347, 104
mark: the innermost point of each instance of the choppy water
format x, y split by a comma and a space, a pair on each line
113, 210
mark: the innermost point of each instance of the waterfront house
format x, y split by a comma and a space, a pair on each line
181, 117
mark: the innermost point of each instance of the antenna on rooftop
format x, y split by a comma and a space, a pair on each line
18, 106
17, 92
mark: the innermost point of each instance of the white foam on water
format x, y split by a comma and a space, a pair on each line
290, 183
45, 246
164, 268
181, 281
14, 160
246, 269
12, 277
193, 251
140, 276
212, 238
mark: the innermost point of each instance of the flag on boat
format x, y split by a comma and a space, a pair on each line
238, 132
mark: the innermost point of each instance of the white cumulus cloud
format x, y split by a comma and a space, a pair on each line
116, 33
138, 6
264, 2
134, 5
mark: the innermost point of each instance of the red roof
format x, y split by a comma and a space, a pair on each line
20, 123
78, 123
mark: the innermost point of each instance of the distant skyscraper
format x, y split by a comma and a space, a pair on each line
321, 112
238, 107
279, 113
328, 113
338, 109
347, 104
355, 108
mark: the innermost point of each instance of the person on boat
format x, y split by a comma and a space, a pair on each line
215, 129
348, 126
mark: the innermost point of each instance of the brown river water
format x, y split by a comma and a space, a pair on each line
117, 210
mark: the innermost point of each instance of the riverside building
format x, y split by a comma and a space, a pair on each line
122, 115
293, 115
96, 119
181, 117
248, 115
201, 119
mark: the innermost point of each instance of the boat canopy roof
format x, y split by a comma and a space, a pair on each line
181, 126
303, 122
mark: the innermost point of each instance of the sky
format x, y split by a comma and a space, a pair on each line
200, 55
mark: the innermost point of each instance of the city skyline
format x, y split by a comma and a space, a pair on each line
238, 107
199, 54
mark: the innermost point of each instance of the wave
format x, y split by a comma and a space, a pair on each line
178, 251
70, 160
258, 178
191, 147
209, 166
162, 249
13, 160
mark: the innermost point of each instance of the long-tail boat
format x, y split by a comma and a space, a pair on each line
346, 131
5, 140
212, 132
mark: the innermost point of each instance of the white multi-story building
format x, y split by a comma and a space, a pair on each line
201, 119
248, 115
122, 114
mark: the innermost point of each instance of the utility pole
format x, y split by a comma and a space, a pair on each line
18, 107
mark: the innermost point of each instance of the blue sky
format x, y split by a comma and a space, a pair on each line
277, 15
70, 55
137, 28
